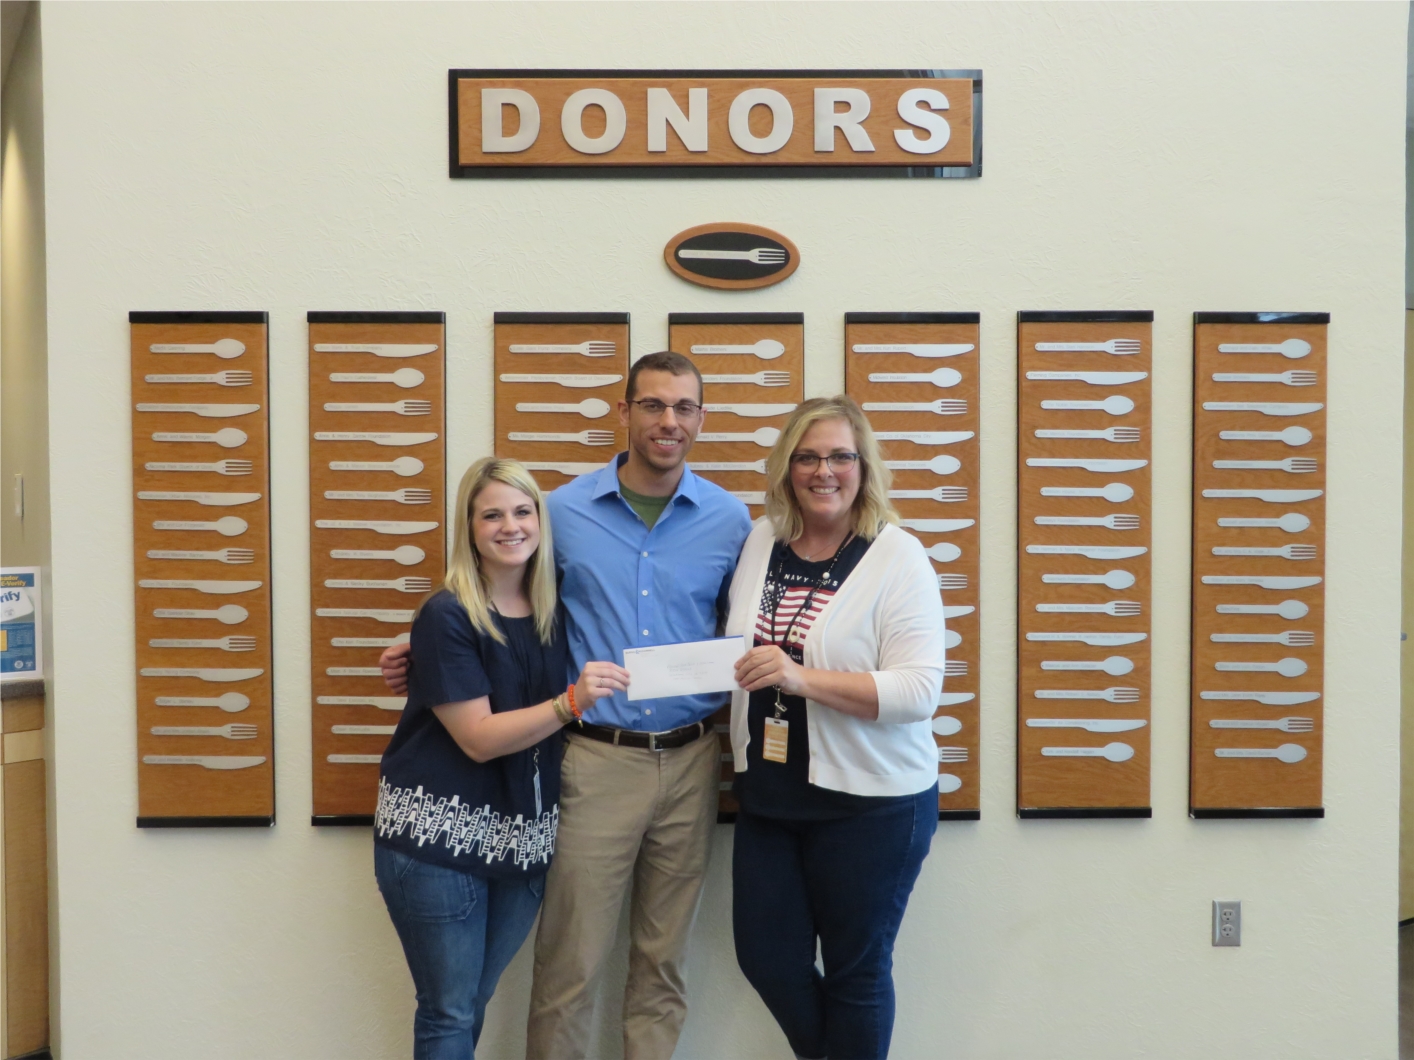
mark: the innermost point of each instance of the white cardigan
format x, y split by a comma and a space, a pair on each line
886, 620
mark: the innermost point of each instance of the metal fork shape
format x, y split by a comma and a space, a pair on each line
592, 348
955, 668
220, 555
942, 406
759, 378
1296, 465
1292, 638
221, 467
403, 585
234, 731
1280, 724
224, 643
1284, 552
1116, 694
403, 496
582, 437
756, 255
946, 494
1115, 609
952, 581
1291, 378
407, 407
228, 378
1114, 522
1119, 347
1109, 434
952, 754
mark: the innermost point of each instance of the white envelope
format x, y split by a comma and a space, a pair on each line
683, 669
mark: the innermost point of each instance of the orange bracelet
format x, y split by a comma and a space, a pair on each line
573, 709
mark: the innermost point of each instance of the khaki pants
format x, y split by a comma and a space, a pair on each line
627, 816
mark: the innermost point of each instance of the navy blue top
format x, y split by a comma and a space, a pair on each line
795, 593
496, 818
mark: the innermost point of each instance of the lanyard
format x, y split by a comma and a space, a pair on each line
784, 643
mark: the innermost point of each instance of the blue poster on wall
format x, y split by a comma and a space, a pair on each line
20, 625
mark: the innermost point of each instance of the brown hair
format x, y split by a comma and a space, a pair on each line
662, 361
872, 510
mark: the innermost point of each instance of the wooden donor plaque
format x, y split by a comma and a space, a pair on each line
1084, 443
752, 367
916, 376
1259, 523
378, 512
912, 123
201, 556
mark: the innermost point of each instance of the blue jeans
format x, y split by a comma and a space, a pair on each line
458, 931
846, 883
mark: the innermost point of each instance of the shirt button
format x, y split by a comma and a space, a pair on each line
645, 592
645, 553
648, 712
645, 633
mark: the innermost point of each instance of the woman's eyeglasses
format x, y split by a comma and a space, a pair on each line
683, 410
838, 462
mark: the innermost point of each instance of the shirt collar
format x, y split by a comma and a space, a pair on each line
606, 482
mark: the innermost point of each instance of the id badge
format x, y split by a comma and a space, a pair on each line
773, 747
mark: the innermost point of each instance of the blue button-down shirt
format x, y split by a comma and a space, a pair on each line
623, 585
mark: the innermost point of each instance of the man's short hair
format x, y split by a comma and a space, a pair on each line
662, 361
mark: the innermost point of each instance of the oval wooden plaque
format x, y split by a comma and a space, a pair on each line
731, 256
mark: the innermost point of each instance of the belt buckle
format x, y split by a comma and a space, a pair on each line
653, 743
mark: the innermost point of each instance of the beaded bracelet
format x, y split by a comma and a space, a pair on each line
573, 709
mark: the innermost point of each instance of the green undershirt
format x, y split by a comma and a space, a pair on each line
647, 508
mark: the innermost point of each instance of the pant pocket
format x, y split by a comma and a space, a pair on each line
435, 893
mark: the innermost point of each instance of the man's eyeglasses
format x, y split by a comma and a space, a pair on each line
683, 410
839, 462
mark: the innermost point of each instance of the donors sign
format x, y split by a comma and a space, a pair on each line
620, 122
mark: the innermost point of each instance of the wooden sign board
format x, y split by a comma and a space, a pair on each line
1084, 446
916, 376
201, 559
558, 380
748, 361
1259, 518
534, 123
378, 511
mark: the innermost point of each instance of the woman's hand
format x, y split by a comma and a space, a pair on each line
394, 663
767, 665
597, 680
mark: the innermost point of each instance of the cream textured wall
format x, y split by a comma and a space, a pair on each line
1175, 157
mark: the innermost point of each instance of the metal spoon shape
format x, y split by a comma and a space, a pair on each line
944, 552
1288, 667
226, 614
403, 377
946, 725
226, 526
1287, 609
1114, 492
939, 465
1115, 665
764, 349
1291, 349
1114, 752
1290, 753
407, 555
1111, 579
1115, 405
1291, 522
230, 702
765, 437
948, 783
1290, 435
941, 377
223, 348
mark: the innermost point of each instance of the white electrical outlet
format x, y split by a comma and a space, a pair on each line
1227, 923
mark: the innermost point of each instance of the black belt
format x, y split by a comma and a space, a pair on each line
651, 741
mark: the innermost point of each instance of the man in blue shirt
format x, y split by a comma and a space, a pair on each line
645, 551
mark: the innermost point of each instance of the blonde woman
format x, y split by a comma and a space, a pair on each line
468, 794
836, 765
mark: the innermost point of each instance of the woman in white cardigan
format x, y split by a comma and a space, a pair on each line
836, 767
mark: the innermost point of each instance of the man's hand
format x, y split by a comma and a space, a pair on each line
767, 665
394, 662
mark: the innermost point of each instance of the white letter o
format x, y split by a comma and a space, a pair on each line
572, 117
739, 125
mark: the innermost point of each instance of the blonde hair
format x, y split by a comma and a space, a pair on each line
872, 510
464, 579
